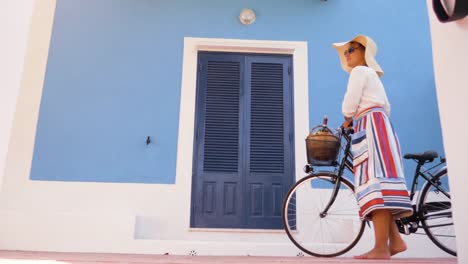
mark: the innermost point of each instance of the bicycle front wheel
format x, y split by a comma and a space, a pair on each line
435, 209
318, 232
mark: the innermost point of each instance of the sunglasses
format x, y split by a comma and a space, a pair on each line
350, 50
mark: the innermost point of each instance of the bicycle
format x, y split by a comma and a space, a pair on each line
328, 197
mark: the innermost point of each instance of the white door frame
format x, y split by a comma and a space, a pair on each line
298, 50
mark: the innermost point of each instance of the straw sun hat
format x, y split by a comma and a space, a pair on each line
371, 50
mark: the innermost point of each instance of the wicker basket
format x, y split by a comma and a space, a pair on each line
322, 146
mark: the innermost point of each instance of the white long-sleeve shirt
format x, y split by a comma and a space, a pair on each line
364, 90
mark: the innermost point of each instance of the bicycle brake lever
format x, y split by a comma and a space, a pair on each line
341, 129
347, 131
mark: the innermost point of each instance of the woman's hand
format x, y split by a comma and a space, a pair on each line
348, 122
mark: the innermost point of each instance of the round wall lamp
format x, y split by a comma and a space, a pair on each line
247, 16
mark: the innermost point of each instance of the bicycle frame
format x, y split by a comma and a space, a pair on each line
426, 175
345, 163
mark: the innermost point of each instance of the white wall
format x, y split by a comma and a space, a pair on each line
450, 55
102, 217
15, 19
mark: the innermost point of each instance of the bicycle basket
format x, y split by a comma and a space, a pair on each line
322, 146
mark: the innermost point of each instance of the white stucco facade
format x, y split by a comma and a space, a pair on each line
449, 42
15, 19
121, 218
109, 217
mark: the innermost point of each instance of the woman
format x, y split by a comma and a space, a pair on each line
380, 185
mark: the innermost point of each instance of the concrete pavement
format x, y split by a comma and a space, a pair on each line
20, 257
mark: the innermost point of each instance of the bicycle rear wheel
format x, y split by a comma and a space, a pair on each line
435, 209
317, 234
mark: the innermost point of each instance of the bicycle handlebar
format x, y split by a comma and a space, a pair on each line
347, 131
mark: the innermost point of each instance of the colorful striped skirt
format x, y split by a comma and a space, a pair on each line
378, 168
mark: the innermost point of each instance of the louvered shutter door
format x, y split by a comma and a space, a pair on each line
243, 141
218, 189
269, 157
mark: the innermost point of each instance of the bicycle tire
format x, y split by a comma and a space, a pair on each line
338, 232
435, 212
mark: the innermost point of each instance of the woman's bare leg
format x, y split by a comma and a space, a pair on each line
396, 243
381, 219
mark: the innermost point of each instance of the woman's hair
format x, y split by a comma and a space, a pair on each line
360, 45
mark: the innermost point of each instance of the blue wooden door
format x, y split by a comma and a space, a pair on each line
243, 147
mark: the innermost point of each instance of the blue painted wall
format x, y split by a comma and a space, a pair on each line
114, 76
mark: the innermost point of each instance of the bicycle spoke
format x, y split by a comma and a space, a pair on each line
436, 214
330, 234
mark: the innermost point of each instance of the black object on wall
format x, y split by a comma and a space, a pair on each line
460, 10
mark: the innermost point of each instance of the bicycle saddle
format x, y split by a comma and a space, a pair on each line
429, 155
